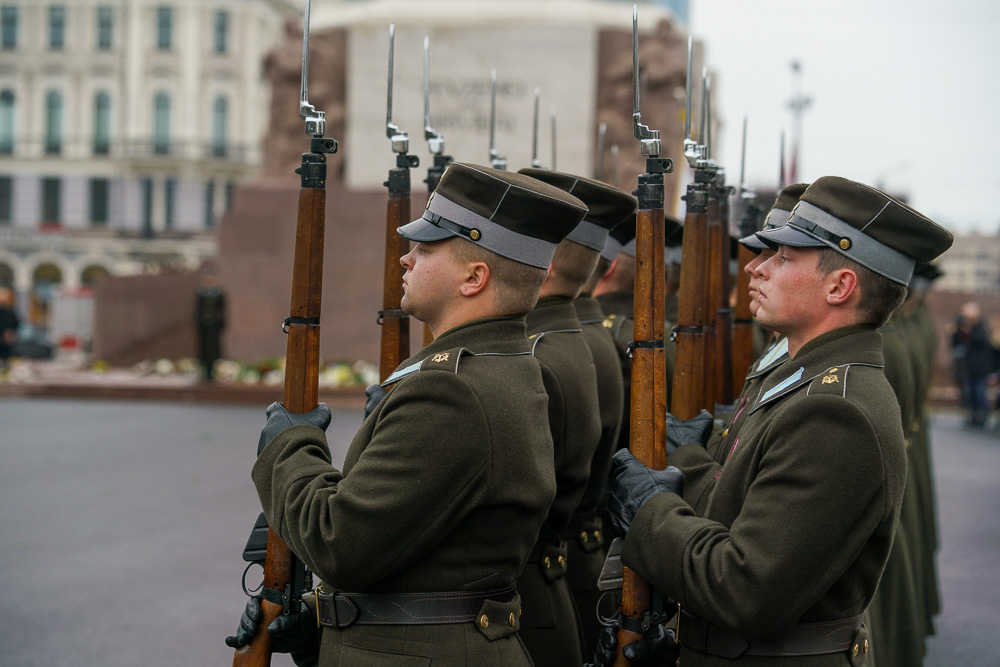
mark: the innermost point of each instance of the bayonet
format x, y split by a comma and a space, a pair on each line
781, 163
496, 161
649, 140
400, 140
535, 162
435, 141
553, 138
693, 151
614, 165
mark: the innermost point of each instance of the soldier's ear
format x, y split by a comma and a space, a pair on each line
476, 279
841, 286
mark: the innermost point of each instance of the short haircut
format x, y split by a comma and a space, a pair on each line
516, 285
879, 295
572, 266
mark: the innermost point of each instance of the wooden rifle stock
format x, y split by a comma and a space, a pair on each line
395, 323
742, 322
649, 374
301, 376
720, 383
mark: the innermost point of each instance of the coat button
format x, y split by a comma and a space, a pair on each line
512, 619
547, 562
583, 536
485, 623
562, 561
866, 646
725, 433
597, 534
854, 651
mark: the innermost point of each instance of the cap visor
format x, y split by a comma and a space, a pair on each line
422, 231
790, 236
753, 243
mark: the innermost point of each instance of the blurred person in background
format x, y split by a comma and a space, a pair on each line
8, 326
974, 359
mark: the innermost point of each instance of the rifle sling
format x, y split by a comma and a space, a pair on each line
307, 321
643, 345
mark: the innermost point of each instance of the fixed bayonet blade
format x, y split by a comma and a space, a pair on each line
400, 140
496, 161
602, 135
649, 140
553, 138
435, 141
315, 120
781, 163
535, 162
694, 153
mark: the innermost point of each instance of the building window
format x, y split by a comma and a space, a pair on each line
221, 31
100, 189
51, 200
102, 123
6, 199
164, 28
105, 28
6, 122
53, 122
209, 205
169, 194
228, 197
147, 208
219, 113
161, 124
57, 27
8, 27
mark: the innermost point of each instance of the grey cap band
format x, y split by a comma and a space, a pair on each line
589, 235
612, 247
460, 221
629, 248
817, 224
775, 218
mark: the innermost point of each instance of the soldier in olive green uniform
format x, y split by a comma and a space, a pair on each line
577, 257
419, 541
787, 555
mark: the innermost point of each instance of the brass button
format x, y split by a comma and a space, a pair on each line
845, 244
512, 619
597, 534
866, 646
562, 561
583, 536
854, 651
485, 623
474, 235
547, 562
725, 433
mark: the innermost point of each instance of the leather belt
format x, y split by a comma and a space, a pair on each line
341, 610
803, 639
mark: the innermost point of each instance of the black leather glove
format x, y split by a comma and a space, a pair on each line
658, 647
279, 418
632, 484
687, 431
296, 634
375, 394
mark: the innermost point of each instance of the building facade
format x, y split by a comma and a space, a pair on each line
971, 265
124, 127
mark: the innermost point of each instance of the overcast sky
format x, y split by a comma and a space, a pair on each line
905, 93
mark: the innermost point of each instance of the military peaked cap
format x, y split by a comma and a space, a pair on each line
620, 236
513, 215
778, 215
862, 223
607, 205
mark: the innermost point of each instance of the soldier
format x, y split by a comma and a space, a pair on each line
448, 481
577, 257
787, 555
211, 318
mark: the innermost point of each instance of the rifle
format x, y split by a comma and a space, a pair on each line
395, 344
496, 161
285, 577
742, 317
435, 142
719, 384
689, 393
639, 611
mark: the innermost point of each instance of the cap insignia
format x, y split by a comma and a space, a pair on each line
845, 244
474, 235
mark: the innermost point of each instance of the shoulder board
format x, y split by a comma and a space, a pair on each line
446, 360
591, 321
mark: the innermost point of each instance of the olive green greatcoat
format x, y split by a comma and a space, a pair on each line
897, 612
803, 512
550, 625
618, 308
585, 534
444, 488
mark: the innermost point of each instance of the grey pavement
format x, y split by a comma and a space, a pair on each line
122, 526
